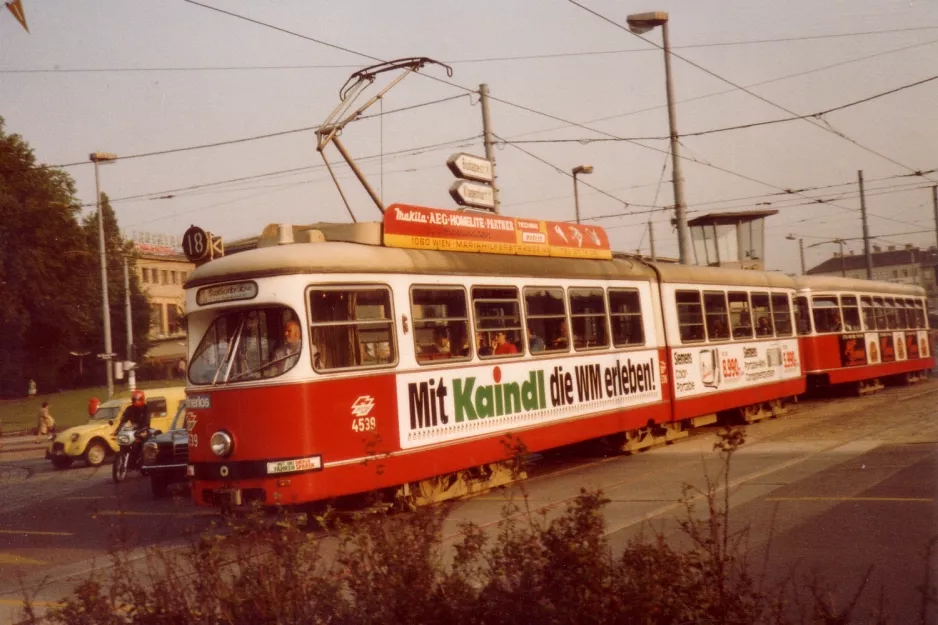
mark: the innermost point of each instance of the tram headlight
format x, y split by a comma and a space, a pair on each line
221, 443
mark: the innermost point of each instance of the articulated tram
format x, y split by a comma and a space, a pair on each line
413, 357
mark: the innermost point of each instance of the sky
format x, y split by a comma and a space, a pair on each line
567, 86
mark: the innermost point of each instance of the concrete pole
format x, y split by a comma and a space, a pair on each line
804, 272
934, 201
866, 229
843, 262
131, 378
487, 139
576, 198
651, 241
680, 208
105, 305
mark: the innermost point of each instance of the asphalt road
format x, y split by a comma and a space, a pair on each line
843, 488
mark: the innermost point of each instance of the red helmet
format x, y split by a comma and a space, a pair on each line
137, 398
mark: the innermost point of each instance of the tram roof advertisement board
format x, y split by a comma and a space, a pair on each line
418, 227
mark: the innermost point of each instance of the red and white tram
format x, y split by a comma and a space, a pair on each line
861, 331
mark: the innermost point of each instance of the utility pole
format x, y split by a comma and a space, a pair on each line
651, 241
934, 201
843, 262
95, 158
804, 271
487, 139
131, 378
866, 230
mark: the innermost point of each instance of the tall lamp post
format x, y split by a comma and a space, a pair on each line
792, 237
579, 169
96, 158
640, 23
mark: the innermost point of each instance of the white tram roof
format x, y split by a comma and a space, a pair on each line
837, 283
719, 276
330, 257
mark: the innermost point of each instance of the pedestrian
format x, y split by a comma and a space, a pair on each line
45, 425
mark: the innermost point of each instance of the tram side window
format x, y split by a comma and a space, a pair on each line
781, 314
881, 323
869, 313
718, 320
802, 316
762, 313
588, 315
919, 314
740, 315
690, 319
901, 313
546, 319
498, 321
892, 315
625, 314
826, 314
441, 324
352, 328
848, 304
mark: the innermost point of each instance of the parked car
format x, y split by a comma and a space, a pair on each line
94, 441
166, 455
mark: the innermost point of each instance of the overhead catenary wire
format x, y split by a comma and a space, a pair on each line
500, 59
826, 128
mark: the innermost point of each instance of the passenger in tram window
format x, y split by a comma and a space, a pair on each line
502, 345
563, 337
765, 327
744, 329
485, 347
717, 329
535, 343
318, 362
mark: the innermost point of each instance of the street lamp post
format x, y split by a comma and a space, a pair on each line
640, 23
103, 157
579, 169
792, 237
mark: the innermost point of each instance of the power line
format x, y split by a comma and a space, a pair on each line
498, 59
701, 133
827, 128
278, 172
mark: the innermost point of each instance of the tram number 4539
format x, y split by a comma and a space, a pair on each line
364, 424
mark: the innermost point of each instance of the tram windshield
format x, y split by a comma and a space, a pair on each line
248, 344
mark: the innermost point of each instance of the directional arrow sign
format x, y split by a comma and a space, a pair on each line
470, 167
473, 194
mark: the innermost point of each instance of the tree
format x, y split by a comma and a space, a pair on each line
45, 270
116, 250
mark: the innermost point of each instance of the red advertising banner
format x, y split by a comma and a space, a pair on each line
418, 227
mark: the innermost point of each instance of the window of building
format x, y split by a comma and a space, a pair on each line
546, 319
740, 314
851, 313
441, 324
174, 277
174, 319
881, 323
352, 327
145, 275
869, 313
892, 315
588, 316
781, 314
156, 319
164, 279
718, 319
762, 313
690, 319
802, 316
625, 315
498, 321
826, 314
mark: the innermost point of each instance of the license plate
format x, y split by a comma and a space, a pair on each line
228, 496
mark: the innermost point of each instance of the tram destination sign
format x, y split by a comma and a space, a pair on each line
471, 167
418, 227
475, 194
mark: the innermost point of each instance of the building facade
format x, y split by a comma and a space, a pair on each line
905, 265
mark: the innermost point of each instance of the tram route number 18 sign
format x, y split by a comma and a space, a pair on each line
199, 245
418, 227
